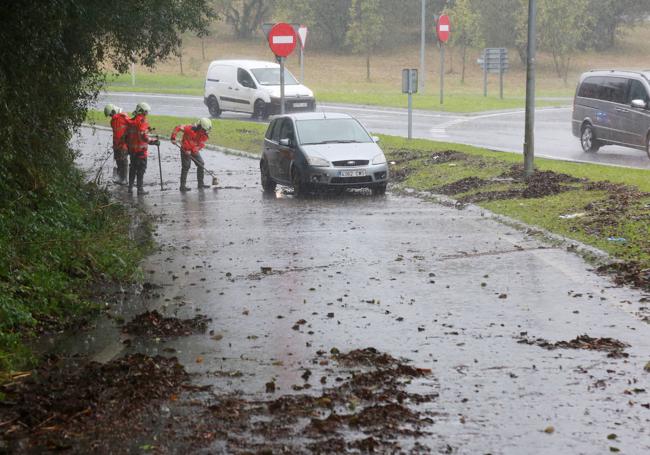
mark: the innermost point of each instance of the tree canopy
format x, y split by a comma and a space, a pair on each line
52, 57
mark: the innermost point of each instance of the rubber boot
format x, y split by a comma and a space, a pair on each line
184, 186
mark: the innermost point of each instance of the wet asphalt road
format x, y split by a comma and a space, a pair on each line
494, 130
409, 277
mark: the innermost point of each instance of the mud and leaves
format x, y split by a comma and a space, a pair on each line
154, 324
370, 407
614, 348
67, 402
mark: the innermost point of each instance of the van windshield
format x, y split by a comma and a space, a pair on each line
328, 131
271, 76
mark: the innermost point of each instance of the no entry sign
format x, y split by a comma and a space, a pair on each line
282, 39
443, 29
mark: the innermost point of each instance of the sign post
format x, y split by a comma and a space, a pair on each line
302, 34
443, 31
410, 86
494, 60
282, 41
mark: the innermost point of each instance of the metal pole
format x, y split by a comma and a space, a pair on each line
302, 65
442, 72
423, 24
160, 164
410, 109
281, 85
501, 82
485, 73
529, 136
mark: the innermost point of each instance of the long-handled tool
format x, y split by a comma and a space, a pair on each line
215, 181
159, 163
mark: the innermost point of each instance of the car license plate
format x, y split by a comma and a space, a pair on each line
357, 173
299, 104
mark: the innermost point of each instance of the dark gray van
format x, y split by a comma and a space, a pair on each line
613, 108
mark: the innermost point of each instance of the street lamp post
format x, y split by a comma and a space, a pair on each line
529, 135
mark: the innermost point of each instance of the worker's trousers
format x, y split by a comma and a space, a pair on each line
186, 163
137, 169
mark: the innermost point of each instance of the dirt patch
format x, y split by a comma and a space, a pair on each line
446, 156
369, 409
64, 403
612, 346
628, 273
154, 324
462, 186
400, 174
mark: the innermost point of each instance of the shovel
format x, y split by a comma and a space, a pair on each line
215, 182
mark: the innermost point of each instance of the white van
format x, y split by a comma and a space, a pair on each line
253, 86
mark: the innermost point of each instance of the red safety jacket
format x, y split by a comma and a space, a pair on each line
194, 138
137, 136
120, 123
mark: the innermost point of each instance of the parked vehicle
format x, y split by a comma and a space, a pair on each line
311, 151
613, 107
253, 86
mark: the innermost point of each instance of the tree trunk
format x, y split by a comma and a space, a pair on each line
462, 71
451, 60
368, 67
203, 49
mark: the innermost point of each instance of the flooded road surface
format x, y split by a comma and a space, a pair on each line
285, 280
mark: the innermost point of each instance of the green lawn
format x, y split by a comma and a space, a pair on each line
456, 100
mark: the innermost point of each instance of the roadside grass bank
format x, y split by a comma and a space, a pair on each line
459, 99
57, 250
603, 206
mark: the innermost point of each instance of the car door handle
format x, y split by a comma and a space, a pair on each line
229, 88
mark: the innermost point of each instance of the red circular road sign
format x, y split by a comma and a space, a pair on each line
443, 28
282, 39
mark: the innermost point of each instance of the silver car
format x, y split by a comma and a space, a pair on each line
613, 107
311, 151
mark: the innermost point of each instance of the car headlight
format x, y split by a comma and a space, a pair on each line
317, 161
379, 159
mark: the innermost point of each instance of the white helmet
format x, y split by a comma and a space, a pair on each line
111, 109
142, 108
205, 124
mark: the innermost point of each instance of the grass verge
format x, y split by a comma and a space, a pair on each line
459, 100
55, 249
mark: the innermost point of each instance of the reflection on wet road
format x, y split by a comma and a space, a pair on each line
451, 290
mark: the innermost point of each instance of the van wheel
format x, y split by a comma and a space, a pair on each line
268, 185
259, 110
588, 140
213, 107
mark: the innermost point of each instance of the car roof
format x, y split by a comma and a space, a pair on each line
617, 72
314, 115
246, 64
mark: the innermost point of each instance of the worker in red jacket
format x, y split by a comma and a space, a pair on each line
119, 124
194, 139
138, 141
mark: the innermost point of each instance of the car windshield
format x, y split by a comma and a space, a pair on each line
331, 131
271, 76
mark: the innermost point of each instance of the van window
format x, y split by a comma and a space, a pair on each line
590, 87
637, 92
614, 89
245, 79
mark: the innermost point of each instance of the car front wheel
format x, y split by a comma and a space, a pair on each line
379, 190
588, 140
300, 188
268, 185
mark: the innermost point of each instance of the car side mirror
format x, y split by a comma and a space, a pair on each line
286, 142
375, 139
639, 104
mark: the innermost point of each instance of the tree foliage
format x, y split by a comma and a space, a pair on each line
245, 16
366, 28
52, 56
